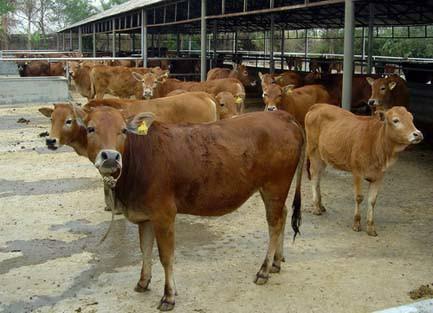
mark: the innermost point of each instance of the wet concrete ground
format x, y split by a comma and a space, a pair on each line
53, 218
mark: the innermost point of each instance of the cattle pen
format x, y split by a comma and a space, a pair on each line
52, 256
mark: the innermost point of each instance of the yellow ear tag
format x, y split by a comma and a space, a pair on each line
289, 91
238, 100
142, 129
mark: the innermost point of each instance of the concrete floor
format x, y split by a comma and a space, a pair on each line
53, 218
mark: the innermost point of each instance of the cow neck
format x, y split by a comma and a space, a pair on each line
137, 161
79, 141
385, 148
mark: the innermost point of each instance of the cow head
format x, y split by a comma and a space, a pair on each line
266, 79
399, 126
150, 82
241, 72
227, 105
381, 92
273, 96
64, 127
106, 135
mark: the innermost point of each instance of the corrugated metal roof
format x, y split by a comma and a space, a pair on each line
118, 9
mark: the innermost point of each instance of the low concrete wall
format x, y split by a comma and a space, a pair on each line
14, 90
8, 68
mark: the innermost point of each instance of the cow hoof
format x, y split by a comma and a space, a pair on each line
261, 279
372, 232
356, 227
108, 209
140, 288
322, 209
317, 212
165, 305
275, 268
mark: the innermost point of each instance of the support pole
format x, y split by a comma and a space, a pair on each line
70, 40
363, 51
63, 42
58, 41
370, 39
215, 42
349, 18
144, 37
177, 44
282, 48
306, 49
113, 48
271, 47
119, 42
203, 41
80, 40
133, 42
94, 41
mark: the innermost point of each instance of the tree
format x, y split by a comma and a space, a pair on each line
108, 4
67, 12
6, 7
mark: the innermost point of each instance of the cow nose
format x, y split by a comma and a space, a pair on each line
50, 141
418, 135
271, 109
108, 155
371, 102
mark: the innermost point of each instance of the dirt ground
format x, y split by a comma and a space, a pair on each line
53, 217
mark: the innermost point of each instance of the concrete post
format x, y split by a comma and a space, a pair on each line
349, 29
94, 41
271, 46
282, 48
144, 37
80, 40
306, 49
370, 39
203, 41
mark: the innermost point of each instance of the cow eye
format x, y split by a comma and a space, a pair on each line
124, 131
90, 130
68, 122
382, 88
395, 120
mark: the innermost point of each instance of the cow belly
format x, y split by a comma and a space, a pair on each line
334, 152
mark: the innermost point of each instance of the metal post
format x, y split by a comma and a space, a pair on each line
203, 41
144, 37
58, 42
177, 44
370, 39
215, 42
113, 28
119, 42
158, 44
94, 41
70, 40
133, 42
282, 48
271, 47
349, 18
306, 49
80, 40
363, 51
235, 42
63, 42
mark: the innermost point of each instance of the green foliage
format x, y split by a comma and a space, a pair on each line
107, 4
5, 7
70, 12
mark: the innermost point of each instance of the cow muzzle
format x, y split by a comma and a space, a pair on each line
373, 102
271, 108
148, 93
108, 162
52, 143
416, 137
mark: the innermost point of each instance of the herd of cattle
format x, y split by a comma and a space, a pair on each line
189, 148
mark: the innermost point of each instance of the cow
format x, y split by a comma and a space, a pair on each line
157, 86
227, 106
364, 146
283, 79
57, 69
337, 66
80, 73
388, 92
295, 101
294, 63
157, 170
34, 68
117, 81
239, 72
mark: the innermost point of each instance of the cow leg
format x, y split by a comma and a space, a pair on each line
164, 232
274, 216
357, 186
316, 169
147, 237
373, 189
279, 253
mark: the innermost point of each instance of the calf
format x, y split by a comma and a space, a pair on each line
365, 146
388, 92
284, 79
239, 72
157, 170
294, 101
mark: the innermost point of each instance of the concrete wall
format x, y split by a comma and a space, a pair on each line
8, 68
14, 90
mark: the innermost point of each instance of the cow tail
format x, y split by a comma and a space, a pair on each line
308, 168
92, 85
296, 205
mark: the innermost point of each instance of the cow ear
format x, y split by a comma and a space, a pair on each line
288, 89
163, 76
261, 75
380, 115
140, 123
392, 85
278, 78
370, 80
46, 111
137, 76
80, 115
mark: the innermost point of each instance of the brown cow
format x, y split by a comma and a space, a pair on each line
284, 79
388, 92
117, 81
80, 73
239, 72
365, 146
227, 106
57, 69
294, 63
34, 68
206, 170
156, 86
295, 101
